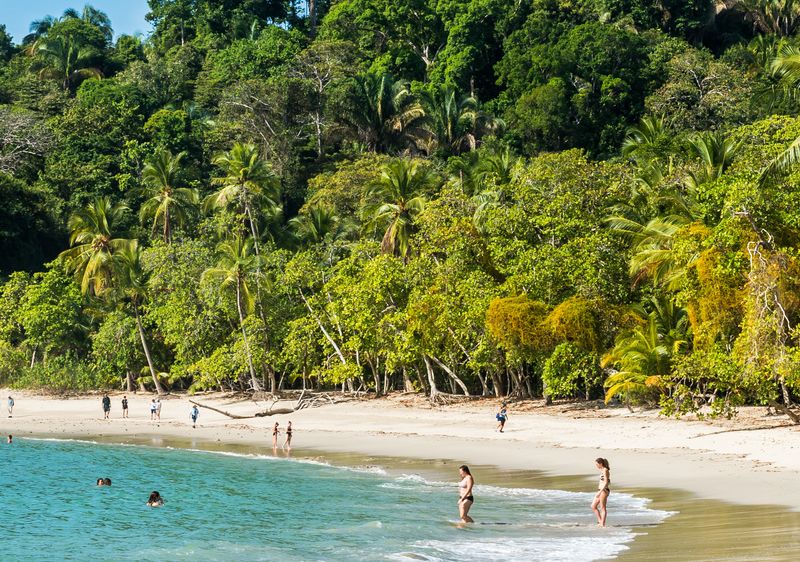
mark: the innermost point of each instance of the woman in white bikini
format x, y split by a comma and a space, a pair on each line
465, 498
603, 490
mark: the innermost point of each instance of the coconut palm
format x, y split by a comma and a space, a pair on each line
248, 182
318, 223
772, 17
385, 112
92, 235
94, 17
642, 359
166, 203
237, 264
38, 29
451, 120
395, 200
65, 59
715, 152
131, 285
647, 138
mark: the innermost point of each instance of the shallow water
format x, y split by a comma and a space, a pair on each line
229, 506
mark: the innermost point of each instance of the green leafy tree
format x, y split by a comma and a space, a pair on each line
167, 203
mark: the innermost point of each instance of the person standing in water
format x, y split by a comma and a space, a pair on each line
465, 497
288, 443
124, 406
194, 413
106, 406
502, 416
10, 439
603, 490
275, 432
10, 406
155, 500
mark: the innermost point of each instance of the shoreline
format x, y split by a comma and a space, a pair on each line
706, 459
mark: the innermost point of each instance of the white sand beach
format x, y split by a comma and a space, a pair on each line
754, 459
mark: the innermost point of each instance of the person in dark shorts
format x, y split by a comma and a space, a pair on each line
288, 443
106, 406
502, 416
124, 406
465, 497
194, 413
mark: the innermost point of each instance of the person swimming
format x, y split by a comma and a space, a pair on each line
465, 497
107, 482
603, 491
101, 482
155, 500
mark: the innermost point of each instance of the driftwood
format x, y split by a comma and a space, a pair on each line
784, 410
302, 402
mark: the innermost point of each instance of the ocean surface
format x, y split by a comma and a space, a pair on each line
237, 507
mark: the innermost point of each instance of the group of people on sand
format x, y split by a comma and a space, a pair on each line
466, 498
155, 409
287, 444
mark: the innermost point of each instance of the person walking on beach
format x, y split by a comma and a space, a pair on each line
275, 432
124, 406
153, 407
288, 443
106, 406
10, 406
603, 490
158, 409
195, 412
502, 416
465, 497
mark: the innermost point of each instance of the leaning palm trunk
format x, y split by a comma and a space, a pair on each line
253, 380
146, 349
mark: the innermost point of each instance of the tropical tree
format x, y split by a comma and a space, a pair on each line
131, 284
65, 59
715, 152
318, 223
38, 29
246, 181
93, 241
237, 264
395, 200
452, 121
166, 202
94, 17
385, 112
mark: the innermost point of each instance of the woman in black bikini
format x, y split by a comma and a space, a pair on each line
288, 443
275, 432
603, 490
465, 497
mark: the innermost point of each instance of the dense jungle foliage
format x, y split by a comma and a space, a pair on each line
526, 198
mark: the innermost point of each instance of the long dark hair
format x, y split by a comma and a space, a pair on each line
465, 468
155, 497
603, 462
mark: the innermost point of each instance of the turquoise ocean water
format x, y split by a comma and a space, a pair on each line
225, 506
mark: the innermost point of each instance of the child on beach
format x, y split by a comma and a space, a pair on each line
106, 406
603, 490
502, 416
195, 412
10, 406
124, 406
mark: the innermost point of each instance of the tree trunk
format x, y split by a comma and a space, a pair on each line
129, 381
146, 349
167, 233
324, 331
253, 380
408, 386
431, 377
453, 376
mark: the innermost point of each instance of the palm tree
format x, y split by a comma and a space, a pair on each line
642, 358
38, 29
772, 17
645, 138
385, 112
395, 200
131, 284
450, 119
94, 244
66, 60
247, 179
236, 264
716, 153
166, 202
94, 17
319, 223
